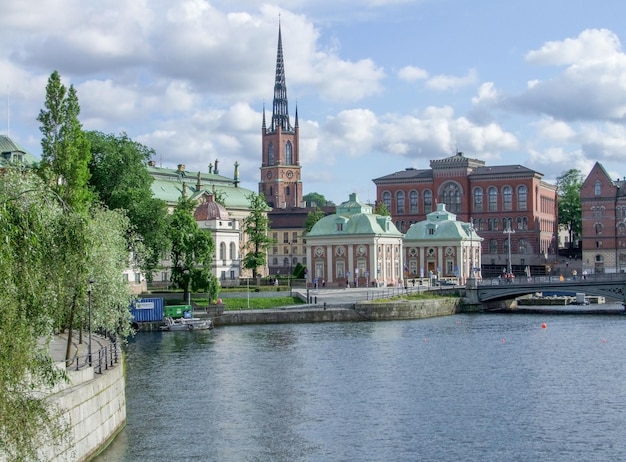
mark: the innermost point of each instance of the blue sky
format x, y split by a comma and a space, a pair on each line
380, 85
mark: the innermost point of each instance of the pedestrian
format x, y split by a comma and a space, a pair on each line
574, 274
584, 274
323, 282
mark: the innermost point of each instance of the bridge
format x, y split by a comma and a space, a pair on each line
611, 286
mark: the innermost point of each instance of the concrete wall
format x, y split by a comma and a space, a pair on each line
94, 405
360, 311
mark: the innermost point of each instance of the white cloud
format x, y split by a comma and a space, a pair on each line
412, 74
451, 82
591, 45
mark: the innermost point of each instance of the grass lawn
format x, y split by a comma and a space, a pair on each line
254, 303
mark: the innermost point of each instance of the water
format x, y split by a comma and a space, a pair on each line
476, 387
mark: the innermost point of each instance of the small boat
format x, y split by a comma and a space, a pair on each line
187, 324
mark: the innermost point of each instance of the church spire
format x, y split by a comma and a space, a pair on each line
280, 111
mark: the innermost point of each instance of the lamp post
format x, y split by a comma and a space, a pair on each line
508, 231
471, 259
89, 320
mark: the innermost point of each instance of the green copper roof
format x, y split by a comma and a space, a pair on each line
354, 218
441, 225
12, 153
168, 186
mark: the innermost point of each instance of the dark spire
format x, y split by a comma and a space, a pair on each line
297, 125
280, 111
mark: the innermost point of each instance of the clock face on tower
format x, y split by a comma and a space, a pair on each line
269, 174
289, 174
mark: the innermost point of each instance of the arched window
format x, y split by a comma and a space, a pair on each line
387, 200
428, 201
621, 229
286, 262
233, 253
597, 188
492, 192
222, 251
598, 228
270, 154
507, 223
450, 194
288, 153
275, 261
507, 198
522, 197
478, 200
413, 202
400, 202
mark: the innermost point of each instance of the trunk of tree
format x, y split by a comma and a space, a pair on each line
70, 332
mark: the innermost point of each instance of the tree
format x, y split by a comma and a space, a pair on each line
312, 217
381, 209
570, 208
121, 180
256, 226
192, 251
317, 198
48, 254
65, 149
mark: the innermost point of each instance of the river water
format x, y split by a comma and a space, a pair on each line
470, 387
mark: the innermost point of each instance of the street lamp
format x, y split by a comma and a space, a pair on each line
89, 320
508, 231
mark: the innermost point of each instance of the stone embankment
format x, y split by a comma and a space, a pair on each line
359, 311
93, 403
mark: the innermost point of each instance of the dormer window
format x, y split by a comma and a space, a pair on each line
339, 226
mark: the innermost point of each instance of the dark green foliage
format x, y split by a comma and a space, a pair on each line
312, 217
121, 180
570, 207
256, 227
192, 252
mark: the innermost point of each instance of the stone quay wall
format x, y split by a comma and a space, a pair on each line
92, 404
359, 311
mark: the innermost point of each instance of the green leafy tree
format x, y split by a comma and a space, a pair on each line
192, 251
381, 209
312, 217
256, 226
570, 207
121, 180
47, 256
317, 198
65, 148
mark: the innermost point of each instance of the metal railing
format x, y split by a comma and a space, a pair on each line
105, 357
595, 277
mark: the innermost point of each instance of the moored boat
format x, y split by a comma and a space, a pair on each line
187, 324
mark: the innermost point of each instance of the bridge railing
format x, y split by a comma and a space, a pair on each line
597, 277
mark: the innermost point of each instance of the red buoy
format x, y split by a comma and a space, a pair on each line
544, 325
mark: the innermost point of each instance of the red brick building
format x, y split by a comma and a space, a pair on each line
603, 202
501, 201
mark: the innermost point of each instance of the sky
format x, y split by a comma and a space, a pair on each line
380, 85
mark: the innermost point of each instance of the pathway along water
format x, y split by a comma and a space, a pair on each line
471, 387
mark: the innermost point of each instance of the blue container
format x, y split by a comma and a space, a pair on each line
147, 310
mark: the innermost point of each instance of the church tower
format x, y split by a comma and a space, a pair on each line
281, 181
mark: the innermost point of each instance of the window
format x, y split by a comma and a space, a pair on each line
493, 246
413, 202
232, 275
507, 198
274, 250
492, 192
451, 196
522, 198
233, 254
270, 154
339, 226
598, 228
387, 199
621, 229
478, 200
294, 237
285, 237
428, 201
507, 223
288, 153
274, 261
400, 202
522, 246
340, 268
222, 251
597, 188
